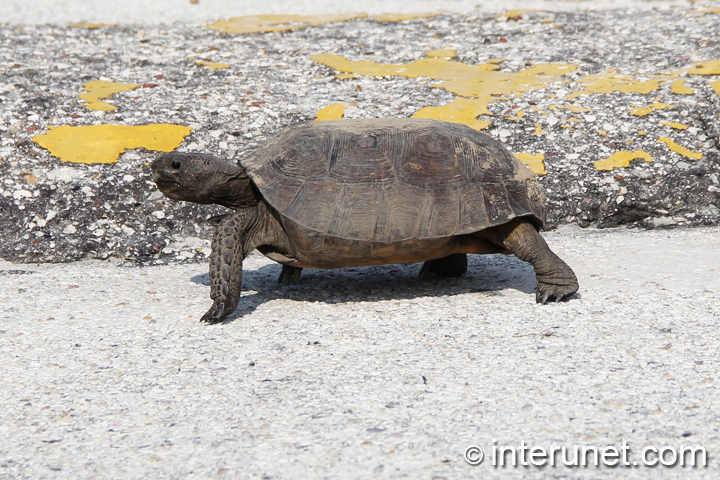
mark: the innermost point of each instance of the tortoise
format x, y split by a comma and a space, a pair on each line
347, 193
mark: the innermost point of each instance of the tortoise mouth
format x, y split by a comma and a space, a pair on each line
169, 187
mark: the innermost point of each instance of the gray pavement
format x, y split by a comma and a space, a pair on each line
105, 371
362, 373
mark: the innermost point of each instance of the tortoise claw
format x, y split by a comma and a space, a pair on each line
541, 297
553, 293
214, 315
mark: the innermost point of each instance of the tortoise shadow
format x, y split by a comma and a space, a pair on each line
487, 274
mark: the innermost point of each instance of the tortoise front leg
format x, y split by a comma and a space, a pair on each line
226, 267
556, 280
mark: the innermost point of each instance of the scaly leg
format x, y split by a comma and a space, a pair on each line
289, 273
556, 280
226, 267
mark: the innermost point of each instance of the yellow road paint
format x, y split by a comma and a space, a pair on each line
535, 162
461, 110
103, 143
572, 108
399, 17
538, 130
716, 86
677, 126
442, 53
680, 149
615, 82
92, 26
346, 75
518, 12
518, 116
707, 67
622, 159
97, 89
277, 23
678, 87
331, 112
642, 111
459, 78
602, 132
212, 65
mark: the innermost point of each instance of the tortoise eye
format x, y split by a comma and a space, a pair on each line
176, 165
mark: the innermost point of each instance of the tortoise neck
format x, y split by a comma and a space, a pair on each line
237, 192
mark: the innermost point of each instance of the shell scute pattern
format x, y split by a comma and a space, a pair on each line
390, 180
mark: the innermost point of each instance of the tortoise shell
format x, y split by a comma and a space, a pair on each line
393, 180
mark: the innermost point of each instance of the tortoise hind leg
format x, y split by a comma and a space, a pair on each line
450, 266
289, 273
556, 280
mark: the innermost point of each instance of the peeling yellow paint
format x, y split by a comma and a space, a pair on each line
496, 61
459, 78
92, 26
517, 12
399, 17
602, 132
277, 23
572, 108
212, 65
680, 149
615, 82
538, 130
716, 86
622, 159
707, 67
461, 110
442, 53
331, 112
484, 83
678, 87
518, 116
677, 126
103, 143
642, 111
640, 132
535, 162
97, 89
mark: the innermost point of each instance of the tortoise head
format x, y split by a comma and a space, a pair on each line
202, 178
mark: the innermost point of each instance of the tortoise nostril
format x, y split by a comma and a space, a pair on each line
176, 165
